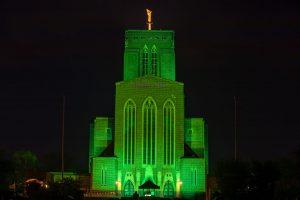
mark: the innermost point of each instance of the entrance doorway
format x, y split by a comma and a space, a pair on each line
128, 189
168, 189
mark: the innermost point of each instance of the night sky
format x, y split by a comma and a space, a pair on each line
223, 48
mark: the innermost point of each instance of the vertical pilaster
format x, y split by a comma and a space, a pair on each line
119, 183
138, 180
159, 183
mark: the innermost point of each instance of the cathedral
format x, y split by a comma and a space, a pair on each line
150, 147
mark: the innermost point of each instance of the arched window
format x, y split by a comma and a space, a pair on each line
168, 190
128, 189
129, 131
149, 131
145, 61
154, 60
169, 132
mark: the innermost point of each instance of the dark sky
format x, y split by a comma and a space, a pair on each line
223, 48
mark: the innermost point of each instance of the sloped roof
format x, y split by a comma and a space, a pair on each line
188, 152
109, 151
149, 185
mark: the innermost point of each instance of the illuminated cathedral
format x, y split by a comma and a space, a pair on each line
149, 147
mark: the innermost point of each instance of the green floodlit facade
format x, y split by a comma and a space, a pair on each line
149, 138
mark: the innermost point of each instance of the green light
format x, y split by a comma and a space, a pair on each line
149, 53
149, 137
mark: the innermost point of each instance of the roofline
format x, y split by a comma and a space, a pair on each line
148, 76
145, 30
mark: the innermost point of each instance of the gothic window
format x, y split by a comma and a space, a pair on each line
149, 131
128, 189
154, 60
169, 132
168, 190
129, 131
145, 61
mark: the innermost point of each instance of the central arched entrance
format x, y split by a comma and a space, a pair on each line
168, 189
128, 189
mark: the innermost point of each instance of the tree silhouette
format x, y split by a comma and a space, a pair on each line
23, 161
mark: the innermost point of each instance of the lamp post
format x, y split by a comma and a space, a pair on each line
235, 128
62, 137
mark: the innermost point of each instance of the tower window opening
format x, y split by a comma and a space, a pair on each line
154, 61
145, 61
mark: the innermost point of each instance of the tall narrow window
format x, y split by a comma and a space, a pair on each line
129, 131
103, 177
154, 60
195, 176
149, 131
169, 132
145, 61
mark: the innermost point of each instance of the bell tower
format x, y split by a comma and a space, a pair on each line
149, 52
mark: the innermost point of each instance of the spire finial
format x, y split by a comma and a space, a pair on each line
149, 20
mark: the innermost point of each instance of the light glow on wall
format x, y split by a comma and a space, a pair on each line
150, 139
